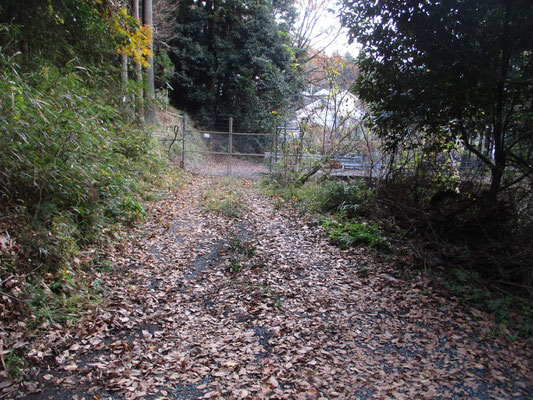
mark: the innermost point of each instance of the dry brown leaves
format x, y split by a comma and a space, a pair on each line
202, 306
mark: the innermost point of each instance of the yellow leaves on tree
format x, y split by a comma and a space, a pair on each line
134, 39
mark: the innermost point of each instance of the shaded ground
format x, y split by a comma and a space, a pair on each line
204, 306
217, 165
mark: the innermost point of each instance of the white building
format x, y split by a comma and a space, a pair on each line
333, 109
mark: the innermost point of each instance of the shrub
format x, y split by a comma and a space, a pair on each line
350, 199
71, 161
351, 234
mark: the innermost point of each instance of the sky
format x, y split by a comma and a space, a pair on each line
341, 46
330, 20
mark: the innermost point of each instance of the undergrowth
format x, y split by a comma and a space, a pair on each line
356, 213
73, 164
76, 169
507, 311
345, 234
349, 204
224, 197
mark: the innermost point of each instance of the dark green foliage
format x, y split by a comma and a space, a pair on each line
507, 311
350, 199
450, 70
62, 146
58, 30
164, 69
445, 78
232, 60
352, 234
525, 321
241, 247
73, 161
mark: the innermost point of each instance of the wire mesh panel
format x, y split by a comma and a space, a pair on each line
250, 154
206, 152
303, 149
222, 151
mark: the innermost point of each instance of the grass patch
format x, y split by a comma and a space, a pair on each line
345, 234
303, 198
347, 200
224, 196
242, 252
235, 266
507, 311
14, 364
60, 297
352, 199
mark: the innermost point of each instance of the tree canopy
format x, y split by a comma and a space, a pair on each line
454, 70
58, 30
232, 59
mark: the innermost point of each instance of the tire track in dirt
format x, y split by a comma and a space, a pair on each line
205, 306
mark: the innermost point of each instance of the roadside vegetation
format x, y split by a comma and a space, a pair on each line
76, 168
445, 151
223, 196
438, 131
462, 250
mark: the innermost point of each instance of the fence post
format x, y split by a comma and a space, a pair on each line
274, 148
230, 144
184, 128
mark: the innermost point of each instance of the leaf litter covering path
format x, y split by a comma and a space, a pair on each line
204, 306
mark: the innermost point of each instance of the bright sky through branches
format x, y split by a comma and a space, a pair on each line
330, 21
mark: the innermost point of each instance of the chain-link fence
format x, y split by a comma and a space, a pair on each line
220, 150
303, 150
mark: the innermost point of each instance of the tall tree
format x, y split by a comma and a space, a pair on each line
138, 66
150, 114
310, 31
164, 17
452, 69
232, 59
47, 26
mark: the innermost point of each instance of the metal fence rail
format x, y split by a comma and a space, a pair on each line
225, 152
220, 151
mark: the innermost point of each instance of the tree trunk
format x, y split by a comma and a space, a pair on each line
500, 154
138, 67
500, 161
149, 115
124, 74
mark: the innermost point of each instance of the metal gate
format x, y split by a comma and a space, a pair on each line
224, 151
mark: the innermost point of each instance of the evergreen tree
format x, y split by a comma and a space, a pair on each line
232, 59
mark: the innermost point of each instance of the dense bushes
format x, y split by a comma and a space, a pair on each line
345, 205
58, 31
75, 161
69, 155
475, 244
74, 157
351, 199
345, 234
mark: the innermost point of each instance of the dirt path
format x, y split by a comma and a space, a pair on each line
206, 306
